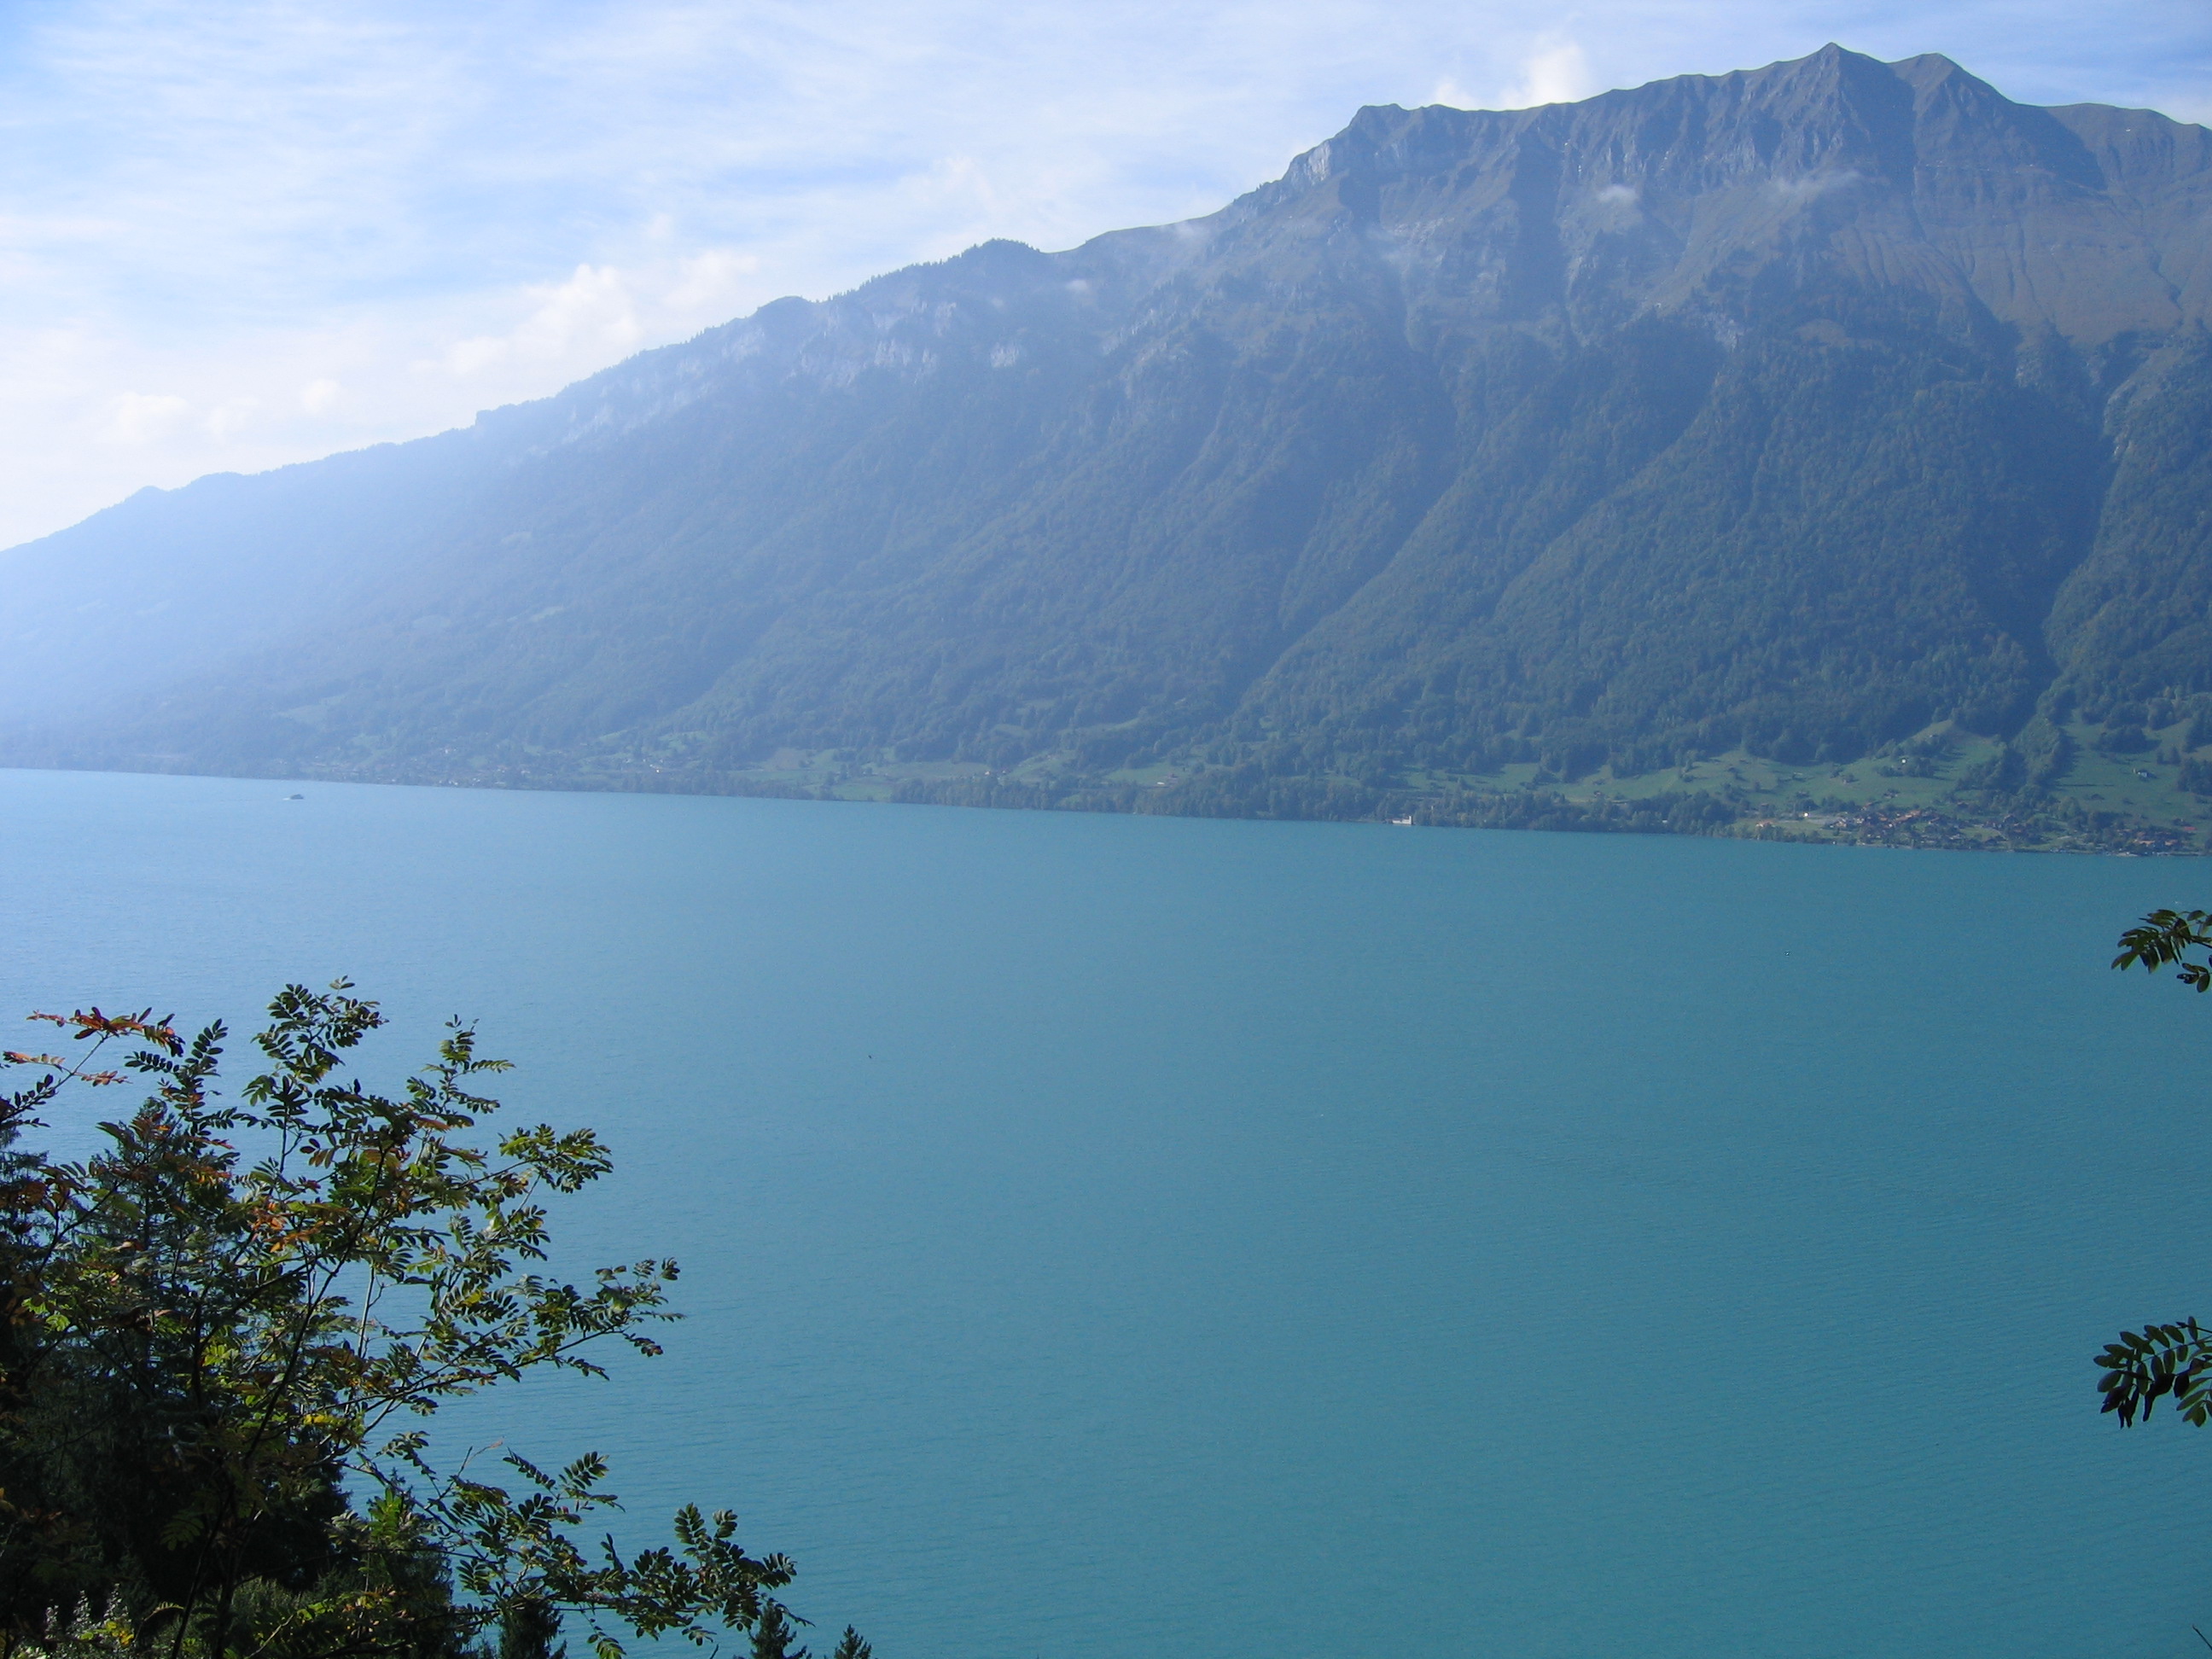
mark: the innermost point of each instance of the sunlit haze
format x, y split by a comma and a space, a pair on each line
234, 237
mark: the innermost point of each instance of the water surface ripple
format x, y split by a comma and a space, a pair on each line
1111, 1235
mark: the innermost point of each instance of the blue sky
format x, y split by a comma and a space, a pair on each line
237, 234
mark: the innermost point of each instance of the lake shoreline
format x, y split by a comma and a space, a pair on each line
2003, 825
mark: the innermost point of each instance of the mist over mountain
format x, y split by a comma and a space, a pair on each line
1830, 410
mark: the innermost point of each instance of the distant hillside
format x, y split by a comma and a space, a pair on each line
1487, 467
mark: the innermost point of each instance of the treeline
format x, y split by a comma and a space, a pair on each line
1856, 522
1248, 792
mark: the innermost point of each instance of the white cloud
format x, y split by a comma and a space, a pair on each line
603, 312
1556, 72
710, 283
593, 308
139, 417
272, 212
1808, 185
229, 418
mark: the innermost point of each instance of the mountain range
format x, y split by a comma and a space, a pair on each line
1752, 449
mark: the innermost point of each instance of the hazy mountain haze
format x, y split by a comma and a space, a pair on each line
1791, 409
1166, 1181
240, 235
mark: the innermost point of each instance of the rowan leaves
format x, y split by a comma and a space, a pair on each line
284, 1275
2173, 1361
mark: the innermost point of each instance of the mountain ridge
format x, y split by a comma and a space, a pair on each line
1792, 413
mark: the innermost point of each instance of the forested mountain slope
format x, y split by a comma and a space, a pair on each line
1796, 414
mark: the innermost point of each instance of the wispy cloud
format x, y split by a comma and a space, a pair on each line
593, 308
1556, 72
141, 417
236, 232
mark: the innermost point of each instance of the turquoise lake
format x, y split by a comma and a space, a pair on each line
1116, 1235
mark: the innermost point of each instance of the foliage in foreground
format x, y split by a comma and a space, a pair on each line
2170, 1361
223, 1328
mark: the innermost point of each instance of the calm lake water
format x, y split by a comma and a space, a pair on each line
1111, 1235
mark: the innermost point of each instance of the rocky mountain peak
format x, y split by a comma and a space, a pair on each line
1790, 412
1836, 166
